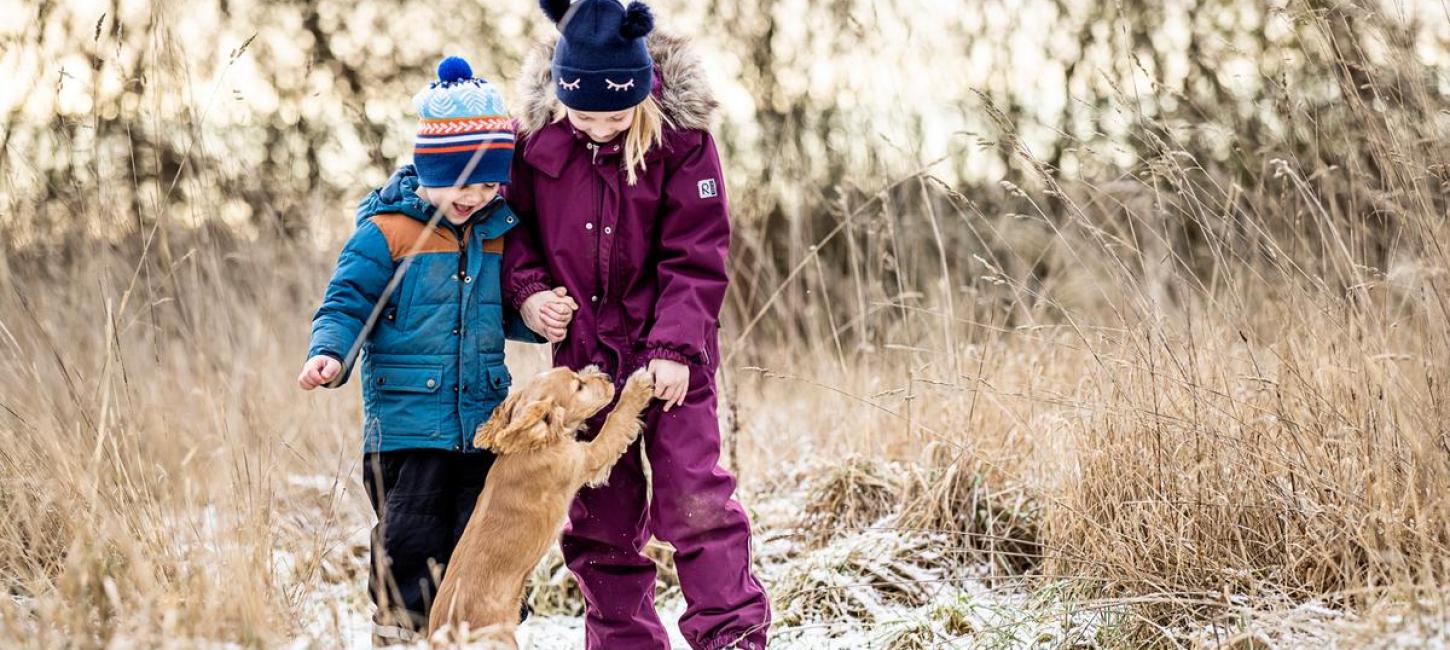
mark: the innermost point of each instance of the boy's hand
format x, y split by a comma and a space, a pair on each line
672, 381
318, 371
549, 313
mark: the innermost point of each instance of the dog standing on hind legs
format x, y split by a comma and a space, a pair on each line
540, 467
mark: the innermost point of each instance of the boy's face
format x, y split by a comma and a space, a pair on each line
601, 127
459, 203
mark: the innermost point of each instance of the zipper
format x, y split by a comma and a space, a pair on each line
603, 267
462, 333
593, 153
464, 235
462, 261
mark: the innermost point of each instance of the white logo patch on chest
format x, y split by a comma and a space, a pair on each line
707, 189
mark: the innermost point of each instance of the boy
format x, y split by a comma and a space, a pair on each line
433, 357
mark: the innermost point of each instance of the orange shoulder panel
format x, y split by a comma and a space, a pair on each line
403, 233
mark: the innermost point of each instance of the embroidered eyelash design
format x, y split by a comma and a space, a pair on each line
614, 86
572, 85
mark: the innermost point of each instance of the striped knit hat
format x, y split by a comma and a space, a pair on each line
465, 135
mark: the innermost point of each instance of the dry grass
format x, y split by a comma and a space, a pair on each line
848, 496
148, 445
1203, 392
163, 478
552, 590
991, 521
1306, 468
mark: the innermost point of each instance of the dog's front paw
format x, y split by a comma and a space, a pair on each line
638, 389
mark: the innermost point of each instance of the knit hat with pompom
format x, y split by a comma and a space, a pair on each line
601, 62
465, 135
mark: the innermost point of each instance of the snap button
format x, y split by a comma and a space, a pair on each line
455, 331
467, 279
432, 383
455, 389
593, 298
589, 226
509, 220
608, 230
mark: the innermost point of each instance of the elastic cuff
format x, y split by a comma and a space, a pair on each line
727, 642
663, 351
519, 294
327, 352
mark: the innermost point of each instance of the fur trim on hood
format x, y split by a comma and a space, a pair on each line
684, 94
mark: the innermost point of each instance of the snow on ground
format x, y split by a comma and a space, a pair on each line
876, 587
873, 588
567, 632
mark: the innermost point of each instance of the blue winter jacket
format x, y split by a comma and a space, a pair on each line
433, 365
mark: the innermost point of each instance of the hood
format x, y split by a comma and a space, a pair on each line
399, 196
684, 93
396, 196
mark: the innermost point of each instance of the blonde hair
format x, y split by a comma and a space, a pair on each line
646, 131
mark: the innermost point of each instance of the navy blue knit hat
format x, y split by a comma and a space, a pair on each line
601, 62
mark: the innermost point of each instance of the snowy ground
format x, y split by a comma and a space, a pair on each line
866, 587
873, 588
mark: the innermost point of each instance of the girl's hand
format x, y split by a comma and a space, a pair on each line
317, 371
549, 313
672, 381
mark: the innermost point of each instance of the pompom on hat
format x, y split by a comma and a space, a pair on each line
601, 62
465, 135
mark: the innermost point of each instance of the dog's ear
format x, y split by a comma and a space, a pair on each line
512, 430
488, 434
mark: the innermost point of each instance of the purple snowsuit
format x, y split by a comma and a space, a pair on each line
646, 263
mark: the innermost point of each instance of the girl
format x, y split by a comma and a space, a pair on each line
622, 203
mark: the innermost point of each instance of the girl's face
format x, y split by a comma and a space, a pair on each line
602, 127
459, 203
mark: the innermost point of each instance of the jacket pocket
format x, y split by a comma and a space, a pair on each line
710, 345
499, 380
407, 399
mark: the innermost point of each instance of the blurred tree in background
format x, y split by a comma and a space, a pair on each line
237, 120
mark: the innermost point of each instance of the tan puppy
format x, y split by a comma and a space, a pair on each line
540, 468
